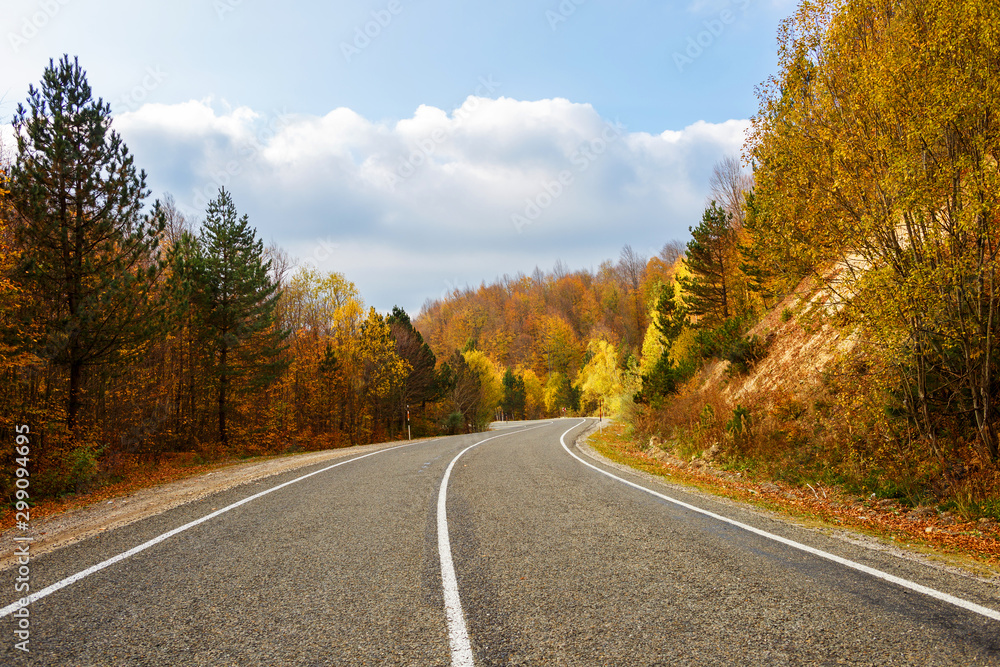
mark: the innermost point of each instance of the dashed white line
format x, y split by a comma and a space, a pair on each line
913, 586
458, 636
48, 590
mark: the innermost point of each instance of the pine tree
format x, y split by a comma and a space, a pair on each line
665, 376
768, 260
410, 346
707, 289
670, 317
235, 299
514, 395
418, 387
88, 255
183, 267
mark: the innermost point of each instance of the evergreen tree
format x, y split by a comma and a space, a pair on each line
235, 298
183, 261
662, 380
707, 289
514, 395
665, 376
410, 346
88, 255
670, 317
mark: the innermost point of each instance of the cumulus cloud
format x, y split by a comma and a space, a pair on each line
441, 198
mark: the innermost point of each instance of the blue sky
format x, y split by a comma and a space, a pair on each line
418, 146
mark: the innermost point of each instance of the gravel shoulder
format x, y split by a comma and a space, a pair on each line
60, 530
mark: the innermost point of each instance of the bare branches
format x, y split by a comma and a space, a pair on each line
729, 186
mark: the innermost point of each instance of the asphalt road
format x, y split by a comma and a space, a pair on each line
554, 564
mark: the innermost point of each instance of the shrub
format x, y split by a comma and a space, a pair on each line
744, 353
453, 423
740, 421
716, 342
82, 468
663, 380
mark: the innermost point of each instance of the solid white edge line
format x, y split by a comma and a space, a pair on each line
48, 590
930, 592
458, 635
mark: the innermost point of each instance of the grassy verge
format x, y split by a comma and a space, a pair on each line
974, 545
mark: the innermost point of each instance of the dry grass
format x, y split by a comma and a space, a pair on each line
813, 412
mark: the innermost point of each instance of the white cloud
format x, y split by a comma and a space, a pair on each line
443, 189
189, 119
8, 142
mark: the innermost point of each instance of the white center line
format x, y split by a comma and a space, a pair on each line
48, 590
944, 597
458, 636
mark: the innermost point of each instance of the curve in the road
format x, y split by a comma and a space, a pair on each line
461, 647
899, 581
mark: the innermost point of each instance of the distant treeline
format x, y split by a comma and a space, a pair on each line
873, 172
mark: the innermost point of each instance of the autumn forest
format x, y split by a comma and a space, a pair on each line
133, 334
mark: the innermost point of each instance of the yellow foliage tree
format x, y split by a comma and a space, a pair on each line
534, 393
601, 381
490, 383
652, 345
554, 394
370, 369
877, 149
329, 305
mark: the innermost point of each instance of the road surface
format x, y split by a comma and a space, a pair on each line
500, 548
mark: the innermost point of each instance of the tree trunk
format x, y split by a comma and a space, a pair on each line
73, 402
223, 386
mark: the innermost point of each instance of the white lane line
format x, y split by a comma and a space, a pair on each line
48, 590
905, 583
458, 636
